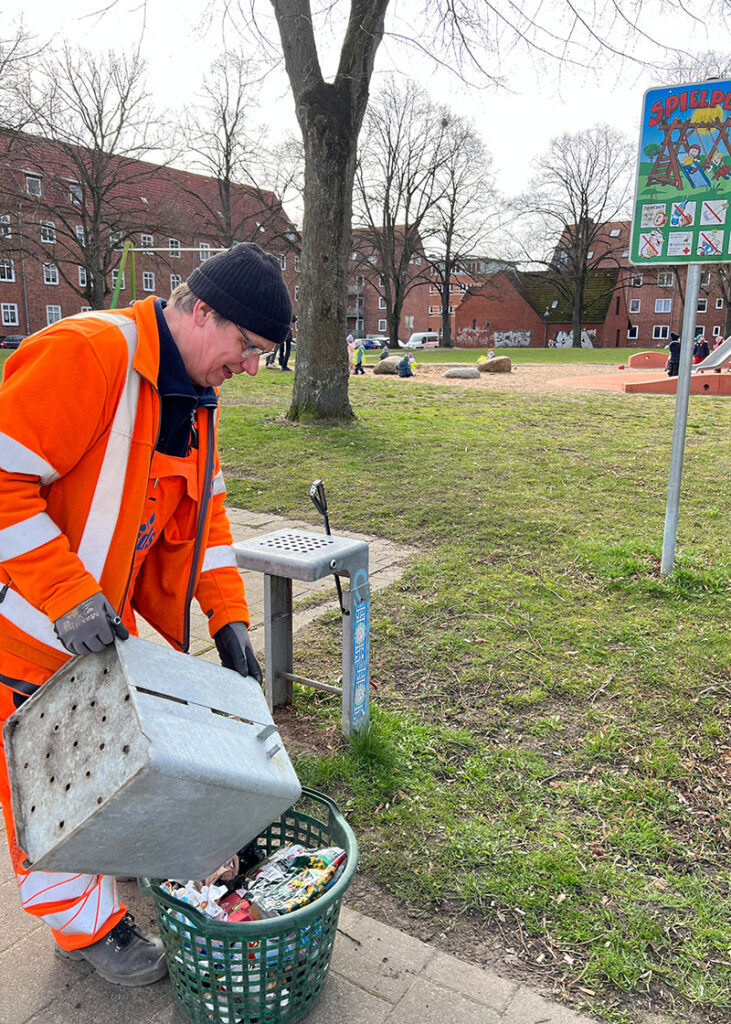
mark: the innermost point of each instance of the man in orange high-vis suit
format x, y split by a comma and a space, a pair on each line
111, 503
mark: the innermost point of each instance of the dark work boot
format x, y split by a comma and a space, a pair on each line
125, 956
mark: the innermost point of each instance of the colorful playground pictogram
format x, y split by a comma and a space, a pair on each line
682, 206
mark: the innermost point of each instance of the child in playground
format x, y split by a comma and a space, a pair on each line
358, 360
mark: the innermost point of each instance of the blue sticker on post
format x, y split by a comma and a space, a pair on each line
361, 660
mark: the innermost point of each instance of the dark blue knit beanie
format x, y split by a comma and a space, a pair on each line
245, 285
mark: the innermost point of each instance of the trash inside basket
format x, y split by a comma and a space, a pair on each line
259, 972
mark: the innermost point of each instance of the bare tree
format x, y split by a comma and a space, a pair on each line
16, 50
98, 125
465, 214
583, 184
397, 185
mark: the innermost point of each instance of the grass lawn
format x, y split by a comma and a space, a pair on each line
518, 355
549, 760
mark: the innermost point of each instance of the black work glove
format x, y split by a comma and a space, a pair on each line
90, 626
235, 651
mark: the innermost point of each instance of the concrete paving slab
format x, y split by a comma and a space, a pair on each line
31, 977
483, 986
428, 1003
528, 1007
90, 1000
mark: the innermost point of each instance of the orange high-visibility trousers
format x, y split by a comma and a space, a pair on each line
79, 909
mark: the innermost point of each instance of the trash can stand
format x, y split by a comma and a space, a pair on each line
259, 972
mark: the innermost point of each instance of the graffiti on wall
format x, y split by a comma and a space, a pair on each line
565, 339
511, 339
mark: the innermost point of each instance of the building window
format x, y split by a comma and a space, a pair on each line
147, 241
85, 309
373, 258
82, 277
409, 323
665, 280
660, 332
9, 312
48, 231
354, 255
50, 273
148, 281
174, 248
632, 334
382, 326
719, 303
80, 236
75, 192
53, 314
359, 281
33, 185
625, 254
204, 251
590, 254
717, 331
381, 302
615, 233
7, 270
663, 305
636, 281
634, 305
702, 306
296, 293
5, 229
117, 277
706, 277
282, 261
175, 280
115, 239
432, 289
297, 263
416, 260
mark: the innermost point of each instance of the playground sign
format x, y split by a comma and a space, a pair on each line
682, 208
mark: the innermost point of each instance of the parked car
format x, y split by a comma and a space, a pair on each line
375, 341
12, 340
423, 339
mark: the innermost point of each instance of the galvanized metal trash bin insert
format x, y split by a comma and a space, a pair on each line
141, 760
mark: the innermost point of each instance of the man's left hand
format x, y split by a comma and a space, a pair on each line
235, 651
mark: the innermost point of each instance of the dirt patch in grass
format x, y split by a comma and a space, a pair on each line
532, 378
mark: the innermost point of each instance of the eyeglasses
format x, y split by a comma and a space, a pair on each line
252, 348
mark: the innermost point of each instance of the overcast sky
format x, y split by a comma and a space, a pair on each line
516, 122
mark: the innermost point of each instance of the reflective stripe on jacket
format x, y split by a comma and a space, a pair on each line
79, 419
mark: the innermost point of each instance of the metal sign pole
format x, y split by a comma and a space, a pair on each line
692, 289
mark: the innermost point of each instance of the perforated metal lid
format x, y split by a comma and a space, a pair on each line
301, 554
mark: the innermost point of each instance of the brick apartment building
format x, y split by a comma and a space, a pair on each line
367, 307
173, 216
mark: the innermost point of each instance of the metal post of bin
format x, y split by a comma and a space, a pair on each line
287, 555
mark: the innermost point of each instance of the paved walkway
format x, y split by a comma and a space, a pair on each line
378, 974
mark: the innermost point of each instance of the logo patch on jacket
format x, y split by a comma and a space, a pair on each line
146, 534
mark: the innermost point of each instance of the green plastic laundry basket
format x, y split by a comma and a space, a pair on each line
259, 972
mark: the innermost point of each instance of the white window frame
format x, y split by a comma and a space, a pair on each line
716, 331
6, 228
50, 273
354, 255
705, 277
76, 193
296, 293
409, 322
48, 231
82, 277
590, 254
635, 305
147, 241
719, 303
297, 263
282, 260
382, 326
115, 275
175, 280
663, 305
85, 309
665, 279
204, 251
174, 248
9, 314
115, 239
635, 281
660, 332
7, 269
382, 302
33, 192
702, 306
148, 281
80, 235
615, 232
53, 314
632, 333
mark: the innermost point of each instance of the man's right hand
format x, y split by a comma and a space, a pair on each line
90, 626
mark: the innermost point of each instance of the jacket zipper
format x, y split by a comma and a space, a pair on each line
202, 511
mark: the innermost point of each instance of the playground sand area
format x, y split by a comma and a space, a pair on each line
535, 378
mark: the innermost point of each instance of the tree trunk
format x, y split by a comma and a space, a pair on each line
321, 381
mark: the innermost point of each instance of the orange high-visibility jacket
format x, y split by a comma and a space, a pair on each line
79, 420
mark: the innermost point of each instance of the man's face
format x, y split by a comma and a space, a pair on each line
216, 350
